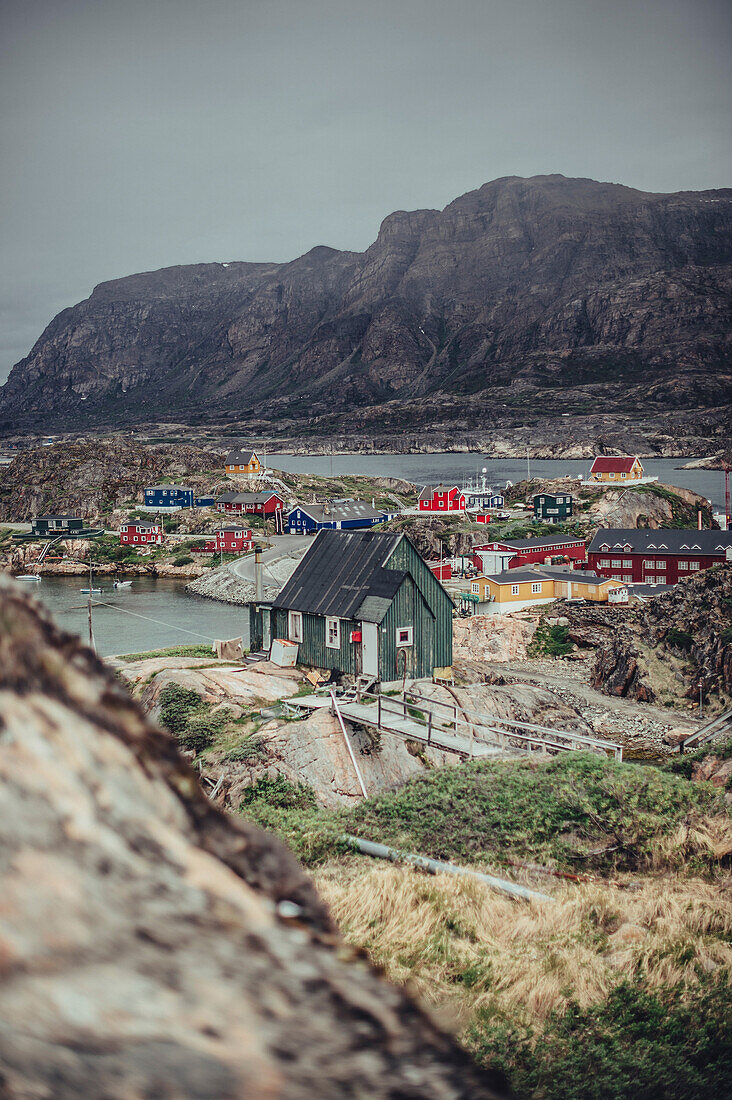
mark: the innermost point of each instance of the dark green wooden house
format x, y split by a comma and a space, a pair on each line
364, 603
552, 507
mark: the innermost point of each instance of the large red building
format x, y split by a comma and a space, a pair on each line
542, 551
441, 498
234, 540
662, 556
260, 504
137, 532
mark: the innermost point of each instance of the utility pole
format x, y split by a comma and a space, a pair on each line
528, 464
91, 632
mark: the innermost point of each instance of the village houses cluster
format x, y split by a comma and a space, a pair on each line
361, 600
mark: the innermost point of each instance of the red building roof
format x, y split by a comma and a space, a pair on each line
613, 464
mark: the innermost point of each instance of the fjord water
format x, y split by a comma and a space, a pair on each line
427, 469
153, 613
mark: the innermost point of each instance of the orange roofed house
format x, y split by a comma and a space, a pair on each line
609, 468
243, 464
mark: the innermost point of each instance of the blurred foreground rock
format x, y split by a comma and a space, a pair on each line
151, 946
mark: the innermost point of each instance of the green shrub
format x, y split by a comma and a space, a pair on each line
182, 559
684, 765
552, 641
251, 748
679, 639
201, 732
177, 706
281, 793
635, 1045
185, 714
576, 808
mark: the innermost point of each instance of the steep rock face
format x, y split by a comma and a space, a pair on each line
149, 944
669, 648
90, 478
521, 284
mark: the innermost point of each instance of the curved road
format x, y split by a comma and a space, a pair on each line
282, 548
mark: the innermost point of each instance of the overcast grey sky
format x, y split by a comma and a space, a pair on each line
141, 133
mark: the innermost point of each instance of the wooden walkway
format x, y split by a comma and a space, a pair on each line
464, 731
715, 727
391, 715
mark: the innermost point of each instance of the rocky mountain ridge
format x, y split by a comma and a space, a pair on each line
580, 291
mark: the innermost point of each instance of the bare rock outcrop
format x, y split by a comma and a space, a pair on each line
515, 701
149, 944
90, 478
492, 638
313, 751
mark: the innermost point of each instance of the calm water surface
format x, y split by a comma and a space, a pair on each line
153, 613
428, 469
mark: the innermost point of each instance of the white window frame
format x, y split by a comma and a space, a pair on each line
535, 587
683, 565
408, 640
294, 626
616, 563
515, 590
475, 588
332, 632
694, 565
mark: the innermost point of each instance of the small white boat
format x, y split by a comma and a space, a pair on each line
28, 577
121, 584
90, 591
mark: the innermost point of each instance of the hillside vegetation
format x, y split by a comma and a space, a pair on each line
616, 988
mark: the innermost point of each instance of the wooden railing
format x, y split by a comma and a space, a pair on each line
721, 724
510, 733
436, 722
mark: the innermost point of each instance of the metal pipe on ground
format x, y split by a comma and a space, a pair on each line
437, 866
336, 711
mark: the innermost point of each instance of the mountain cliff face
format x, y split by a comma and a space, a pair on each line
522, 286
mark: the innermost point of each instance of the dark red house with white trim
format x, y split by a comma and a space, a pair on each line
535, 551
230, 540
260, 504
138, 532
663, 556
234, 539
441, 498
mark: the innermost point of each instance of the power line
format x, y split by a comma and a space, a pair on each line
148, 618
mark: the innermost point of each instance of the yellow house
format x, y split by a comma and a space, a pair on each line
515, 589
616, 468
243, 464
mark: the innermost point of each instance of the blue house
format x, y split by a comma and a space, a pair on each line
483, 499
205, 502
169, 496
337, 515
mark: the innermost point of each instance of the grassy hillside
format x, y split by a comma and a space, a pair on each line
616, 988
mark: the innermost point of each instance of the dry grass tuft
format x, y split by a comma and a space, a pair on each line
462, 946
703, 838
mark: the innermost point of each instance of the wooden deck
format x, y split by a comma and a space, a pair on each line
387, 715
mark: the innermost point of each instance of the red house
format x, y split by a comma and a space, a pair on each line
535, 551
137, 531
441, 498
260, 504
441, 569
483, 517
663, 556
233, 540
